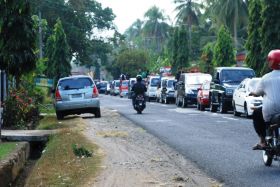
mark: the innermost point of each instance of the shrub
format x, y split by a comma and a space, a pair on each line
20, 110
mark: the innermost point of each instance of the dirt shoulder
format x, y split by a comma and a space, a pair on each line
135, 158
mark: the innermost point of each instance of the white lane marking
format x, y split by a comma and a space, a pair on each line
184, 110
221, 121
230, 118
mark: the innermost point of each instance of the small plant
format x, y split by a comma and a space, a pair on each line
20, 110
81, 151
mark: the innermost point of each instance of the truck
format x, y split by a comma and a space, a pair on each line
225, 81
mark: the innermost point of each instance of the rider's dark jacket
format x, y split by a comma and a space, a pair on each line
139, 88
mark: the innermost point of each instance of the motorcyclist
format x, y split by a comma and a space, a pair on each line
138, 88
269, 88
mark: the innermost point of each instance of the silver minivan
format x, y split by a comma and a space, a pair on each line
76, 95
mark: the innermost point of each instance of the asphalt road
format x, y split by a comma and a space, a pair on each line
220, 144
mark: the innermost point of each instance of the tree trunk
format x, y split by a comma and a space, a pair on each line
235, 27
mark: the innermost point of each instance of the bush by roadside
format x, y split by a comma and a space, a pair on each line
6, 148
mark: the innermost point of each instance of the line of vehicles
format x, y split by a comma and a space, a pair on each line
227, 89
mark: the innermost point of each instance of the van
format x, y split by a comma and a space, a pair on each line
187, 88
165, 91
152, 84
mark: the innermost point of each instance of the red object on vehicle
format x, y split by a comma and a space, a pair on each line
273, 59
203, 95
124, 87
57, 95
95, 92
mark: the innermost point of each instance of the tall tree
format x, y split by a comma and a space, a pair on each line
223, 50
188, 13
270, 28
183, 50
17, 38
59, 54
254, 58
80, 18
232, 13
155, 29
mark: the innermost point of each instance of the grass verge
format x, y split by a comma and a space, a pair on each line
6, 148
58, 165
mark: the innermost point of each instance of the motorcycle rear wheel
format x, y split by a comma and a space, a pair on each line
267, 158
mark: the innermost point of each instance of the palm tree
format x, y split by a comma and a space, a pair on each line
155, 28
188, 14
134, 31
232, 13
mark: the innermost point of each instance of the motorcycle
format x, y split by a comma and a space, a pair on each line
139, 104
272, 151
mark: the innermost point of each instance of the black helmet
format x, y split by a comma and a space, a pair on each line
139, 78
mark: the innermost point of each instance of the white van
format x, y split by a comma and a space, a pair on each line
152, 84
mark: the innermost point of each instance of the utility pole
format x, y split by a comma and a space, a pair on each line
40, 36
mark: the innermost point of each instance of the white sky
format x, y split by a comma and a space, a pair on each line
128, 11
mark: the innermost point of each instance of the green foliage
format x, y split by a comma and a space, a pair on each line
207, 57
181, 49
270, 28
79, 19
6, 148
255, 58
20, 111
17, 38
81, 151
58, 54
223, 50
130, 61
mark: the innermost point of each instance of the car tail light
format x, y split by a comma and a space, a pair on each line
95, 92
57, 96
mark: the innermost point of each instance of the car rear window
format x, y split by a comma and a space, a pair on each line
75, 83
125, 83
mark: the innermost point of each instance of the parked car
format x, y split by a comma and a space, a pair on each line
76, 95
203, 95
115, 88
225, 81
186, 88
102, 87
242, 103
152, 84
124, 88
165, 91
131, 81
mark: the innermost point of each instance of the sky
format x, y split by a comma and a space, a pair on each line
128, 11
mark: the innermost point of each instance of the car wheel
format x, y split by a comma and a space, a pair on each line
97, 113
213, 108
202, 107
246, 110
235, 113
222, 107
59, 115
198, 106
183, 103
178, 104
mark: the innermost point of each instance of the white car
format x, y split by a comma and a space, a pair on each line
243, 103
165, 91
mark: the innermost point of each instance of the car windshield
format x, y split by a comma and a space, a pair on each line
117, 83
252, 85
196, 79
154, 81
103, 84
170, 83
75, 83
125, 83
236, 76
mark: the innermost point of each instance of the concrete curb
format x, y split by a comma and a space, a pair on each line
14, 163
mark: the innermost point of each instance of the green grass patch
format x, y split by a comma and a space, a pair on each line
49, 123
6, 148
59, 166
46, 108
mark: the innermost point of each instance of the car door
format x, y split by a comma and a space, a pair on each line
240, 97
